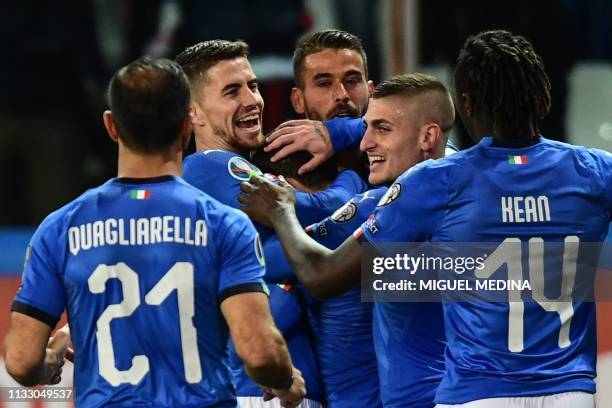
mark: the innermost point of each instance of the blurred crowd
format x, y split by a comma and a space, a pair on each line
58, 56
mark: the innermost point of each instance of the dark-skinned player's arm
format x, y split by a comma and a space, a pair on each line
323, 272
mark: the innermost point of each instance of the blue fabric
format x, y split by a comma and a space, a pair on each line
178, 250
459, 199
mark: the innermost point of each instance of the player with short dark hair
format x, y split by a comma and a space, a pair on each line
498, 354
408, 121
154, 274
330, 69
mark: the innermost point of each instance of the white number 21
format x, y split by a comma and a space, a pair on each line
179, 277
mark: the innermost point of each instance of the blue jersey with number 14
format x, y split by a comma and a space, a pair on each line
546, 192
142, 266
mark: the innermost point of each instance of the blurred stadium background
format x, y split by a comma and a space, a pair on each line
58, 56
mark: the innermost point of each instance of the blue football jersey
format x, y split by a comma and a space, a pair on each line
219, 173
550, 191
343, 325
289, 308
408, 338
142, 265
309, 209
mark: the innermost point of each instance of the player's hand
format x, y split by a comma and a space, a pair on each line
55, 357
299, 135
263, 200
293, 396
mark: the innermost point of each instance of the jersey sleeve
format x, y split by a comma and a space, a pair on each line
411, 209
242, 259
345, 133
311, 208
218, 173
41, 294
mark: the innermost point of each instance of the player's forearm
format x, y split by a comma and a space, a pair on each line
271, 366
312, 263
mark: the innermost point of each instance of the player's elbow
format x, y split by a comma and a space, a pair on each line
21, 368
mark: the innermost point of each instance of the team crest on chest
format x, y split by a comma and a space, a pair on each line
345, 213
241, 169
391, 195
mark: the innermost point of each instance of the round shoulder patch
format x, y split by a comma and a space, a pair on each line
345, 213
241, 169
391, 195
259, 251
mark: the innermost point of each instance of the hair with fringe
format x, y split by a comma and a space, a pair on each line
197, 59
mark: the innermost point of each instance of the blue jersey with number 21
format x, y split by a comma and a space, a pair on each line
142, 266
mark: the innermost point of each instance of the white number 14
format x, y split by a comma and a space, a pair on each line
510, 254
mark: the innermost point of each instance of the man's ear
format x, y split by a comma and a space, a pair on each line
370, 88
297, 101
196, 113
430, 139
109, 124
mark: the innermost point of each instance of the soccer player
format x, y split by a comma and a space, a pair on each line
226, 113
331, 80
330, 68
515, 354
152, 273
408, 121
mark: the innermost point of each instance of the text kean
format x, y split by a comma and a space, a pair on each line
137, 231
525, 209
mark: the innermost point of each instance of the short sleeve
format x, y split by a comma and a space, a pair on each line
218, 173
311, 208
411, 209
242, 257
42, 294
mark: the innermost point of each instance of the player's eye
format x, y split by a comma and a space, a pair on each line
324, 84
383, 129
353, 81
253, 86
231, 93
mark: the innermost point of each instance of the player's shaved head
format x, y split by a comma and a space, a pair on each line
322, 40
435, 103
149, 101
197, 59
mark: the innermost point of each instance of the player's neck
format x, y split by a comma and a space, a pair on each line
212, 142
135, 165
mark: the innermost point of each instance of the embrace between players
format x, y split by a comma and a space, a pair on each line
151, 313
